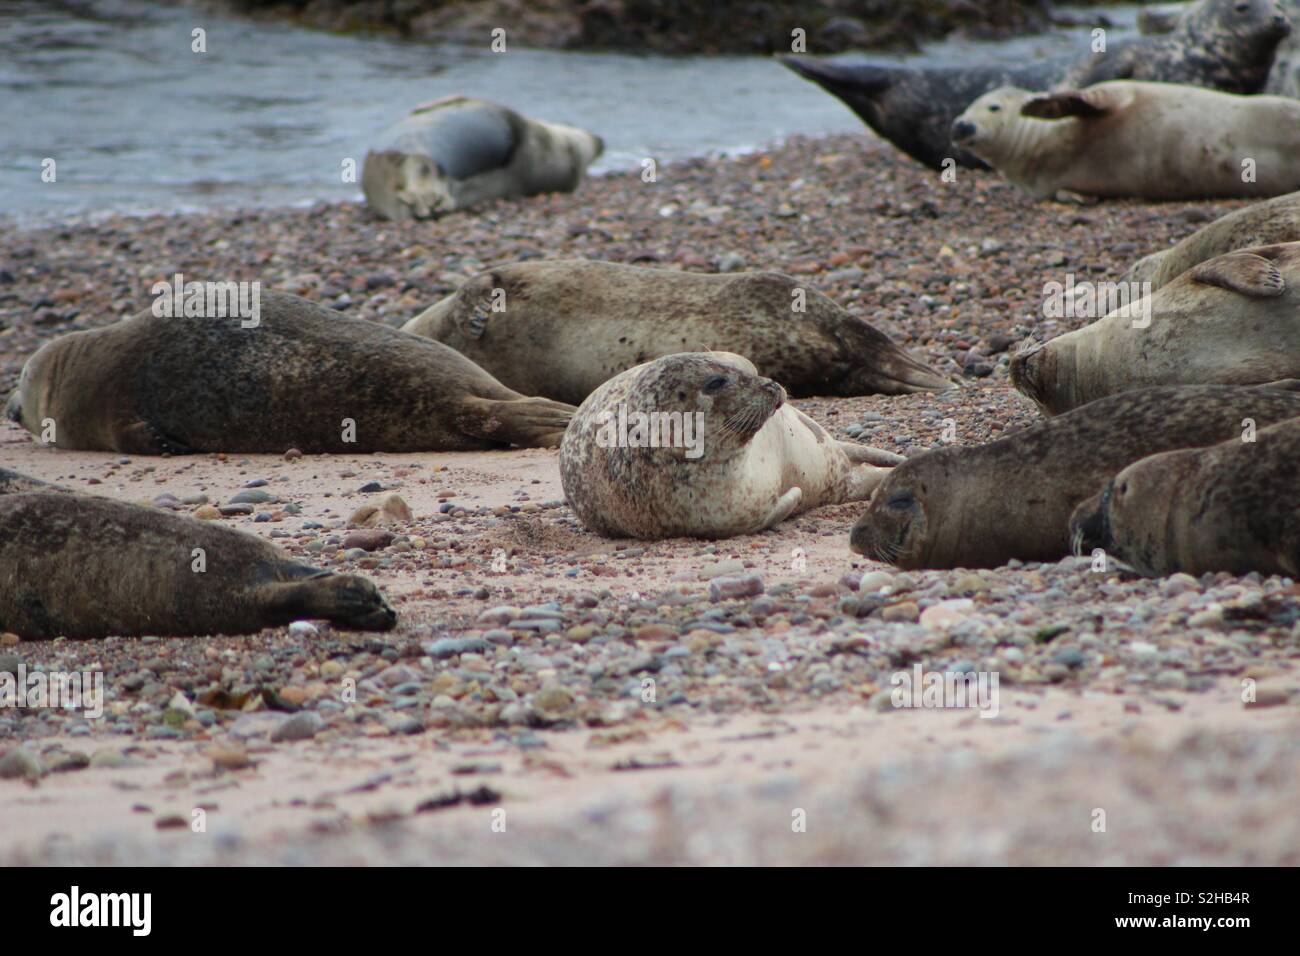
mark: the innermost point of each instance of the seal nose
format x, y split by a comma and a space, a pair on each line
962, 130
778, 393
1283, 24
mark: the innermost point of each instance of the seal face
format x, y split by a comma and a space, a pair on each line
699, 445
303, 377
1230, 507
561, 328
1217, 44
1284, 77
1230, 320
1140, 140
1013, 498
458, 152
84, 567
1264, 223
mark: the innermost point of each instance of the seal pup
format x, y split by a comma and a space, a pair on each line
85, 567
303, 377
1261, 224
561, 328
1217, 44
713, 451
1140, 140
979, 507
457, 152
1231, 320
1230, 507
1284, 77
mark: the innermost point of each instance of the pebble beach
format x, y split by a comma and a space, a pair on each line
551, 696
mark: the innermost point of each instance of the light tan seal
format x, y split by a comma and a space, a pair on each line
1260, 224
1012, 498
1232, 320
83, 567
724, 455
1140, 140
1230, 507
458, 152
562, 328
304, 377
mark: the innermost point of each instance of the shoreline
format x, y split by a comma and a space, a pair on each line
1117, 692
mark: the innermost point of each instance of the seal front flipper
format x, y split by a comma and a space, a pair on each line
144, 438
1082, 104
526, 422
785, 506
348, 601
1243, 272
866, 454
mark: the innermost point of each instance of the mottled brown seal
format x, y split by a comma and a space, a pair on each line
1012, 498
1140, 140
83, 567
1260, 224
1232, 320
1230, 507
304, 377
722, 455
13, 482
1218, 44
458, 152
561, 328
1284, 77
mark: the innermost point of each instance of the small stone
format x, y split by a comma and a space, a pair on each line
875, 582
21, 764
9, 639
906, 611
368, 540
1269, 696
303, 629
301, 726
748, 585
206, 513
946, 614
553, 699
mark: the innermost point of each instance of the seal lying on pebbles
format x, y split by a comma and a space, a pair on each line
304, 377
1284, 78
1219, 44
1262, 224
562, 328
85, 567
698, 445
1232, 320
1230, 507
1012, 498
1142, 140
12, 483
457, 152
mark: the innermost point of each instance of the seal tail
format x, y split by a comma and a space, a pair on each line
526, 422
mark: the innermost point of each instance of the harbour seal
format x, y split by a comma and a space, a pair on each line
1260, 224
1217, 44
85, 567
304, 377
1142, 140
1161, 18
698, 445
1229, 507
457, 152
1012, 498
561, 328
1232, 320
1284, 77
12, 483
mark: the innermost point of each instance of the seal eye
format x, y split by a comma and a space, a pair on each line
901, 501
995, 108
715, 384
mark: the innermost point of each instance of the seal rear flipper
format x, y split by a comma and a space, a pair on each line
863, 481
526, 422
1242, 272
847, 81
866, 454
881, 366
